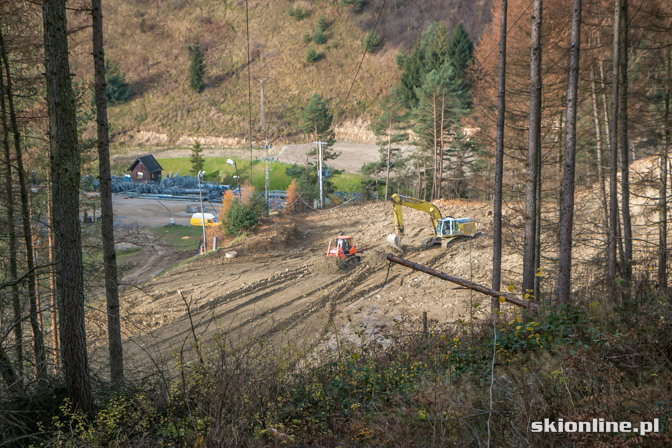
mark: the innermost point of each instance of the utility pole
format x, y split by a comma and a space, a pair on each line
319, 173
266, 146
200, 194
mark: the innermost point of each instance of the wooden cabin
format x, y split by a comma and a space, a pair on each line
145, 169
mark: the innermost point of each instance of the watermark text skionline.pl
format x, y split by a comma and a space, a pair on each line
596, 425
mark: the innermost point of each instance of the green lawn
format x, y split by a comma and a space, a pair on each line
217, 170
185, 238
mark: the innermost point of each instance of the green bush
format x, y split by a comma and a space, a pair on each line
297, 12
118, 91
355, 5
240, 217
319, 37
322, 24
312, 55
196, 68
307, 38
372, 42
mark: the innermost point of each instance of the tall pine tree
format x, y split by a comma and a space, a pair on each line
197, 68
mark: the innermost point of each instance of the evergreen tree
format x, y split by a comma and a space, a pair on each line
319, 37
197, 68
412, 73
389, 128
355, 5
322, 24
312, 55
439, 109
435, 44
316, 121
196, 158
372, 42
460, 53
117, 89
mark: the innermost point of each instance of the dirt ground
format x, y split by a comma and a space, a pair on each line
280, 287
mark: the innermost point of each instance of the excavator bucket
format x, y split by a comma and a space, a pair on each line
394, 241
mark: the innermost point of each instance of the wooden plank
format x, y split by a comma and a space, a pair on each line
466, 283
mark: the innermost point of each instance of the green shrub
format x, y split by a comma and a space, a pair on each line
372, 42
312, 55
197, 68
297, 12
307, 38
118, 91
240, 217
319, 37
355, 5
322, 24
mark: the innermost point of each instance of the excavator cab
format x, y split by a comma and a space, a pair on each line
344, 249
444, 229
448, 227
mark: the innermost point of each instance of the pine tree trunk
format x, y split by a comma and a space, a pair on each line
435, 174
65, 162
13, 265
38, 341
499, 164
389, 150
567, 216
537, 231
624, 146
52, 275
598, 150
662, 200
533, 147
613, 149
441, 144
107, 214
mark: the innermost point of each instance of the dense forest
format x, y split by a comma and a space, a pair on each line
555, 114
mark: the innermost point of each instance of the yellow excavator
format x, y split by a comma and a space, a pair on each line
445, 229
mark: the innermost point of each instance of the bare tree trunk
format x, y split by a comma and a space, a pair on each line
624, 144
499, 164
13, 265
107, 214
52, 274
537, 230
389, 151
65, 162
435, 174
662, 200
598, 151
533, 147
441, 143
613, 149
567, 216
38, 342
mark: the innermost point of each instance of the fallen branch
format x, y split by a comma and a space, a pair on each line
467, 284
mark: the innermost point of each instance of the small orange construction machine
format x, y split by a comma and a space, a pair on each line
343, 249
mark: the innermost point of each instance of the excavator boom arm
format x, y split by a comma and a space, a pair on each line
418, 204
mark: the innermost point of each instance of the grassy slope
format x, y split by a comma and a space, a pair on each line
149, 40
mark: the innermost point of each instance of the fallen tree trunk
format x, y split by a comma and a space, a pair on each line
467, 284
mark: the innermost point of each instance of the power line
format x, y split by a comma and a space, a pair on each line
366, 49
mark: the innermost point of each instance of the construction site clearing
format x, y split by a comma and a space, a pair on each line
282, 287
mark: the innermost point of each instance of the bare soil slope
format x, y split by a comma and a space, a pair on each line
281, 287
